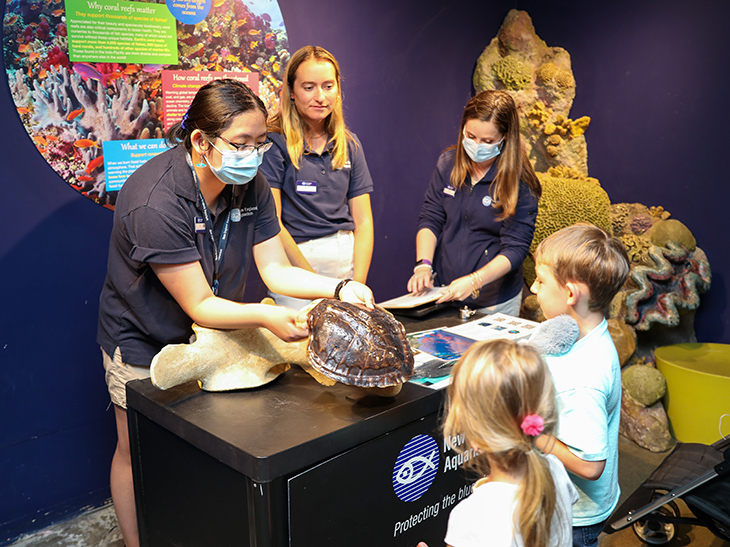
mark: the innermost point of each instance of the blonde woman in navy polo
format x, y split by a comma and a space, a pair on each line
318, 175
186, 227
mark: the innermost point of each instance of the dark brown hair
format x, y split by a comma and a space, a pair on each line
213, 109
513, 165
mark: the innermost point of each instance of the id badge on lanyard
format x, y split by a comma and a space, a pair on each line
205, 224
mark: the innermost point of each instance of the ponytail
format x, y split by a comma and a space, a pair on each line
536, 501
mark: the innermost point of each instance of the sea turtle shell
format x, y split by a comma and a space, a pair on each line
357, 346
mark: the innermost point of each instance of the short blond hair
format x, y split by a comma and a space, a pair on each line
586, 254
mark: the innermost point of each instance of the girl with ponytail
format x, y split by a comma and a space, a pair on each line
500, 399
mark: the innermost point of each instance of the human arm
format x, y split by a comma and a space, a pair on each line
582, 441
186, 283
589, 470
293, 253
431, 221
513, 243
462, 287
362, 216
422, 277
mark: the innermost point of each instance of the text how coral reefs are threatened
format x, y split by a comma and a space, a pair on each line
180, 86
120, 32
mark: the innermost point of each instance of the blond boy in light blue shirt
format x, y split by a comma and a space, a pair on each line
579, 270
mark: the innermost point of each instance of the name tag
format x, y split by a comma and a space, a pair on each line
306, 187
450, 191
199, 225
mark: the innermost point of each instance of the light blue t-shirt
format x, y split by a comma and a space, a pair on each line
588, 384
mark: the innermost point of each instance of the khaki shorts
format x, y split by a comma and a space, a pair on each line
118, 374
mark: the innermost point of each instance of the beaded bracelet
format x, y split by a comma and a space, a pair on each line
339, 287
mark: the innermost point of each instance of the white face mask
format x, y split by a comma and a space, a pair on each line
481, 152
237, 167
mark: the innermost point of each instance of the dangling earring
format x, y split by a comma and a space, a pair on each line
201, 163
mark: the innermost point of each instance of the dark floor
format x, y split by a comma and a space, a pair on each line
635, 465
98, 528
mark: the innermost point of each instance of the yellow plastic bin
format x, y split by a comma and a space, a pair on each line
698, 390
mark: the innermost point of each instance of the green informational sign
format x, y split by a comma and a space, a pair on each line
114, 31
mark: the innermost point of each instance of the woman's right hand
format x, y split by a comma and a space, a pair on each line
422, 278
283, 322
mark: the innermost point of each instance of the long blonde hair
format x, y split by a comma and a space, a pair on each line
289, 122
494, 386
498, 107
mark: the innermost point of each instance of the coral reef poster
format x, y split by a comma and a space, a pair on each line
128, 32
88, 73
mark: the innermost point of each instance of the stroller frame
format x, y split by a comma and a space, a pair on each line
706, 462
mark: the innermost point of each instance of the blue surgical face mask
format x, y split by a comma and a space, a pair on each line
237, 167
481, 152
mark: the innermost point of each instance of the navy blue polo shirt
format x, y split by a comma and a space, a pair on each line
469, 234
155, 223
314, 197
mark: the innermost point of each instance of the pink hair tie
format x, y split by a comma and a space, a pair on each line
532, 425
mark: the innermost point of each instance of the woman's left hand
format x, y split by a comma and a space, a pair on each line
357, 293
459, 289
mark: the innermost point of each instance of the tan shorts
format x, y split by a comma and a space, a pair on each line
118, 374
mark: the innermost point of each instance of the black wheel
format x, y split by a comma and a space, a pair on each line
652, 530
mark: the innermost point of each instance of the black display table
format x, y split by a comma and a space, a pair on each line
291, 463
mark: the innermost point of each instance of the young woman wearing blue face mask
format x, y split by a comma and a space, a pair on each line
187, 225
478, 217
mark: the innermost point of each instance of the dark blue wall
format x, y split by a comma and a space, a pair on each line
652, 75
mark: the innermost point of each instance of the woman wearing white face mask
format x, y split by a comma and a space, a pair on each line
478, 217
186, 226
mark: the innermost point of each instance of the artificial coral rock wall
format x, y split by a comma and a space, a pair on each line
668, 271
541, 81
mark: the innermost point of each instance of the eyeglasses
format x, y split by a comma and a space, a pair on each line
250, 148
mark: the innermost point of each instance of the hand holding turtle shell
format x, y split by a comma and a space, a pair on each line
284, 323
357, 293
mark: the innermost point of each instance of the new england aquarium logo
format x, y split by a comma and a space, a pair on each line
415, 468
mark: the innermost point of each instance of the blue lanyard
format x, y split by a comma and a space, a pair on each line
220, 247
